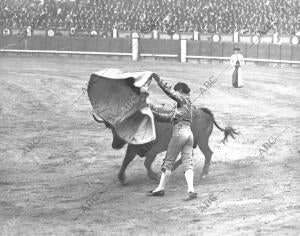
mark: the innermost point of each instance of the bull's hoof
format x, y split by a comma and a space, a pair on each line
204, 175
153, 176
122, 178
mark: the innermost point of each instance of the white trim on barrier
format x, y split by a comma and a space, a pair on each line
135, 48
67, 52
158, 55
196, 35
271, 60
143, 55
246, 59
155, 34
236, 37
207, 57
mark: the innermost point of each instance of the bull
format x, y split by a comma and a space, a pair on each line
202, 126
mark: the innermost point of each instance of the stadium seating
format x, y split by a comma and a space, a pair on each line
208, 16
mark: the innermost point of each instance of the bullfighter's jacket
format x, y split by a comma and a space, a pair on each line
183, 112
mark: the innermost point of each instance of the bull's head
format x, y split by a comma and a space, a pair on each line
117, 142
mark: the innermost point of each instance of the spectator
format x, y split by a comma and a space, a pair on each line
209, 16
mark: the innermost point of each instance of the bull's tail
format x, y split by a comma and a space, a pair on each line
227, 130
97, 119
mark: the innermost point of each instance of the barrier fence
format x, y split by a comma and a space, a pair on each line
138, 48
236, 37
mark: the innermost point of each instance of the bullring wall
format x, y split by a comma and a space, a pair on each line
150, 47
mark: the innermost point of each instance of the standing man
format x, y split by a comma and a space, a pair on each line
237, 60
182, 139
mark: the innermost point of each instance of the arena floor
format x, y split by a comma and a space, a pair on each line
54, 158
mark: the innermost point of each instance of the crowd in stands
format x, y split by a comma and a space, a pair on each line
210, 16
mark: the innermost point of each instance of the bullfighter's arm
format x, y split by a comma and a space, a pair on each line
242, 60
232, 60
178, 97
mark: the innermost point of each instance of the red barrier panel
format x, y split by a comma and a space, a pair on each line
115, 45
77, 44
20, 44
193, 48
3, 42
102, 45
153, 46
205, 48
32, 43
19, 41
149, 46
63, 43
126, 45
216, 50
252, 50
90, 44
263, 51
50, 43
296, 52
243, 48
286, 52
12, 42
224, 49
35, 43
227, 49
274, 52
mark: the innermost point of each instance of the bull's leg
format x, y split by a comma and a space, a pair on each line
148, 163
207, 153
130, 154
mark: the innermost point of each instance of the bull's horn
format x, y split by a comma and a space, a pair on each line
97, 118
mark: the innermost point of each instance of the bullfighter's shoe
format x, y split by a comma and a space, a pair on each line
156, 194
191, 195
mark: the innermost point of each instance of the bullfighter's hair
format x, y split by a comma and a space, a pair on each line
183, 87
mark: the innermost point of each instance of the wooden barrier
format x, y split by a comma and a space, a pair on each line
63, 52
143, 55
136, 48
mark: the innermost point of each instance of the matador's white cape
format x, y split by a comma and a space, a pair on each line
116, 98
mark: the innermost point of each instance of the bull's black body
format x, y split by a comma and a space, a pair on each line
202, 125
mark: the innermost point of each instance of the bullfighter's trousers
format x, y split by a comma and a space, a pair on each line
237, 77
182, 140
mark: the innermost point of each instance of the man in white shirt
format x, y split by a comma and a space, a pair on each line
237, 60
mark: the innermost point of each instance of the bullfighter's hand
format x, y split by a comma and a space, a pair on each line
156, 77
144, 89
